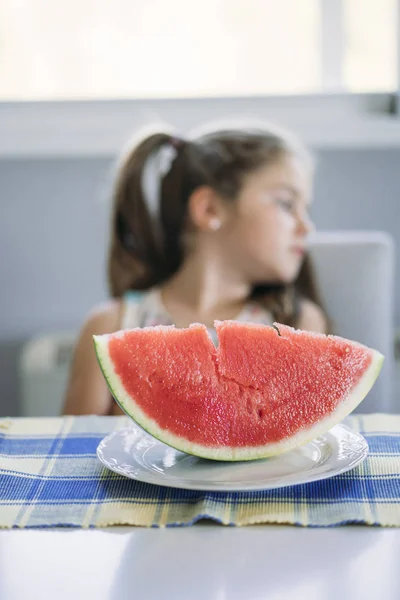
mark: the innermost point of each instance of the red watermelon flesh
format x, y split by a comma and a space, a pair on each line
263, 391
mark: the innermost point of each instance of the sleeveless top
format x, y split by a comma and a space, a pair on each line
145, 309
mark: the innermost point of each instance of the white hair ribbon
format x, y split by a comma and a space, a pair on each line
157, 165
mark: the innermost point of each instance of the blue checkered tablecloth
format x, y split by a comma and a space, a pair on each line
50, 476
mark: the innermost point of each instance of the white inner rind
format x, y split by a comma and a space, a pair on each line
227, 453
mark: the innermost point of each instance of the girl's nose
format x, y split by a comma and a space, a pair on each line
305, 224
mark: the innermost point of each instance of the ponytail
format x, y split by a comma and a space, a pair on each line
140, 254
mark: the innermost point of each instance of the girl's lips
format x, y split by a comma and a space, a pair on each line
298, 250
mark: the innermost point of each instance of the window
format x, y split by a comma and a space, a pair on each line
92, 49
370, 61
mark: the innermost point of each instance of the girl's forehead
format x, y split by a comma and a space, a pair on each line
290, 171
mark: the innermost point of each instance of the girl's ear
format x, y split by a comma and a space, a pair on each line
206, 209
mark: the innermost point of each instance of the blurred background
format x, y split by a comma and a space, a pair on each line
78, 77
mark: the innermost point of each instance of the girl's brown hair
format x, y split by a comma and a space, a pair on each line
146, 248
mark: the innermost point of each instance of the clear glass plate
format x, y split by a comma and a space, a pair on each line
134, 453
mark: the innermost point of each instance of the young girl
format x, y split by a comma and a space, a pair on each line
212, 228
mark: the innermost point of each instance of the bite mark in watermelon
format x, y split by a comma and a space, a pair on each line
263, 391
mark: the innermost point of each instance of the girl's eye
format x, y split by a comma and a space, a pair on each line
288, 204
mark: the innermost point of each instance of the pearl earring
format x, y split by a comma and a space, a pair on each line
215, 224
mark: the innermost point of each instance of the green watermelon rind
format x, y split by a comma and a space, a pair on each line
227, 453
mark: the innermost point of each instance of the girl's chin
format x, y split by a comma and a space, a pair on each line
287, 276
281, 275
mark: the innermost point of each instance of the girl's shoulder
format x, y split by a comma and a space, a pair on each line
104, 318
312, 317
142, 308
117, 313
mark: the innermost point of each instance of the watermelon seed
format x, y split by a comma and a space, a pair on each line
275, 327
260, 413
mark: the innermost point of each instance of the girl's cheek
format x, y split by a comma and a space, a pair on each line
282, 220
289, 220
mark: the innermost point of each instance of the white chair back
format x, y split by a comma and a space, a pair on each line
355, 274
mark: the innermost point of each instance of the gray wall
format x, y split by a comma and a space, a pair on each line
53, 231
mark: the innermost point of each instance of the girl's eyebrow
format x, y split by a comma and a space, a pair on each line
288, 187
294, 191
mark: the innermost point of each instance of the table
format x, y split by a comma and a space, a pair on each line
207, 562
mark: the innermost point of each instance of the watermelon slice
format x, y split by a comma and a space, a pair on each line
263, 391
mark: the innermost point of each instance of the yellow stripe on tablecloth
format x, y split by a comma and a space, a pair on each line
382, 466
162, 518
262, 512
50, 426
42, 427
32, 466
9, 514
388, 514
379, 422
143, 515
127, 513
